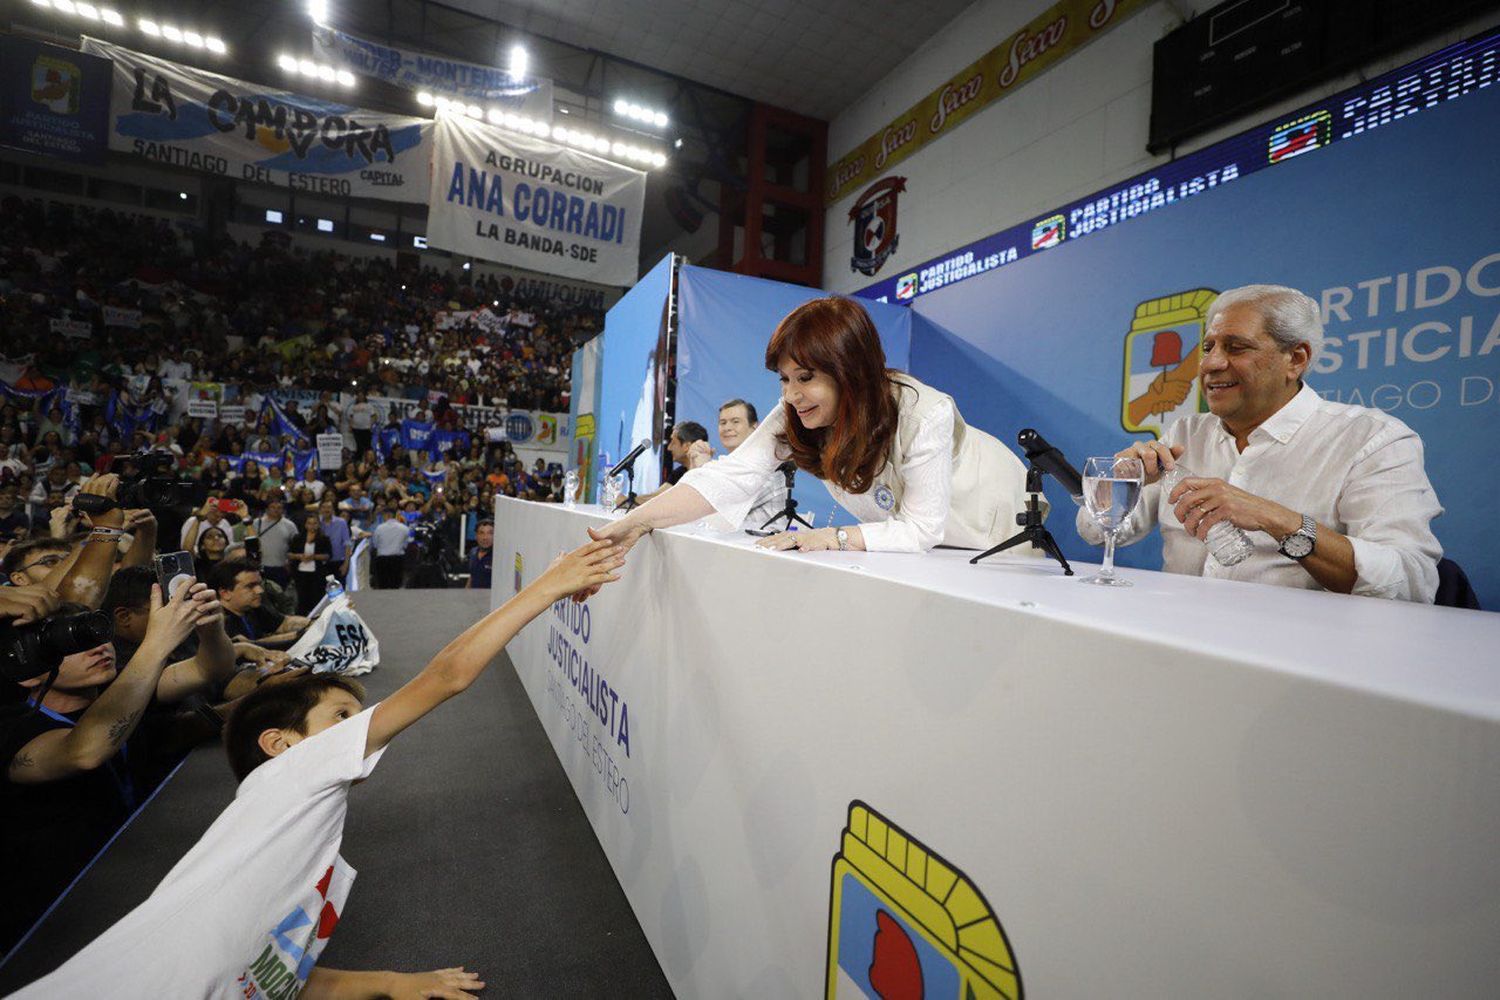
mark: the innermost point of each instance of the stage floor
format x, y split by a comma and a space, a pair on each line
470, 845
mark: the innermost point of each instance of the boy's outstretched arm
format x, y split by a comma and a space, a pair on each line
336, 984
464, 659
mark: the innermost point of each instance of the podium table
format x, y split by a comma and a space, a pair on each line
814, 772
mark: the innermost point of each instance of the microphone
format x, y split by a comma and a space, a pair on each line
629, 460
1051, 461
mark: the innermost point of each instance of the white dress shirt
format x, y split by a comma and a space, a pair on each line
733, 484
1355, 469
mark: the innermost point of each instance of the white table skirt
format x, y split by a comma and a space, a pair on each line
1186, 788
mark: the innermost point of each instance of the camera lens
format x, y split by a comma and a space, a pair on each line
32, 650
69, 634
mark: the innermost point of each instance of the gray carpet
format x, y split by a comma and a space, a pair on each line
470, 845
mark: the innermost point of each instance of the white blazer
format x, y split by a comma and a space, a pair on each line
944, 483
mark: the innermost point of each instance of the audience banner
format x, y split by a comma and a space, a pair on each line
532, 428
53, 101
338, 642
330, 452
503, 196
531, 96
170, 113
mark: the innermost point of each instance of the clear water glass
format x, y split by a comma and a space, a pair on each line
1227, 543
1111, 490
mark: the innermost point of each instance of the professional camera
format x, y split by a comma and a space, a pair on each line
28, 651
436, 563
157, 487
153, 487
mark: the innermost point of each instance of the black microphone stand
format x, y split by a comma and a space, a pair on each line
631, 500
789, 470
1033, 528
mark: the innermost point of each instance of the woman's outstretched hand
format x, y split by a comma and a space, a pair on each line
623, 534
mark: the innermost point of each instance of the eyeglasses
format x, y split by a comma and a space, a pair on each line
46, 561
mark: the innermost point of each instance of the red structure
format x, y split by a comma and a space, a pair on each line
774, 229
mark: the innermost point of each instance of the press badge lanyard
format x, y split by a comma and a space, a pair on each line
120, 771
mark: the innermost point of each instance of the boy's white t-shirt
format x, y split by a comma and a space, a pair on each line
247, 911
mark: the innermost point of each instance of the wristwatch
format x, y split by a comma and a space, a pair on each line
843, 537
1299, 544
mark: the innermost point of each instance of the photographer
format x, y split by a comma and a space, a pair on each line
66, 785
199, 678
77, 572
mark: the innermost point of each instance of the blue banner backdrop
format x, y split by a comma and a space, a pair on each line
1394, 232
53, 101
725, 321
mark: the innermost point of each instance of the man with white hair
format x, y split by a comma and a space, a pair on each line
1332, 496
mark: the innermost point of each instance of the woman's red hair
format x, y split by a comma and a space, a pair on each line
835, 336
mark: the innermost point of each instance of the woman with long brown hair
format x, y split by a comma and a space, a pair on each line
893, 452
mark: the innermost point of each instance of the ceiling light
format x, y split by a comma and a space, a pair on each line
287, 63
618, 149
345, 78
326, 74
42, 3
424, 98
543, 129
677, 144
112, 17
318, 10
659, 160
215, 44
474, 111
602, 145
88, 11
182, 195
441, 102
307, 67
495, 116
193, 38
659, 120
620, 107
66, 6
565, 111
149, 27
171, 33
518, 61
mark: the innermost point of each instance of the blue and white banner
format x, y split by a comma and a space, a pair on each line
513, 198
165, 112
530, 96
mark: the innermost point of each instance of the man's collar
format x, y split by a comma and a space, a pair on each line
1286, 421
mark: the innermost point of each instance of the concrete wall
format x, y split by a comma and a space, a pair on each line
1078, 127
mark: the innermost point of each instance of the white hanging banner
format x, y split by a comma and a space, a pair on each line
516, 199
530, 96
169, 113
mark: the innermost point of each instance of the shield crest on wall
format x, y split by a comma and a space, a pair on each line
874, 218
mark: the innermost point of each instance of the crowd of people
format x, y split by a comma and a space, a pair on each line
258, 320
102, 471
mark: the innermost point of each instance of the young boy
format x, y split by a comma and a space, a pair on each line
247, 911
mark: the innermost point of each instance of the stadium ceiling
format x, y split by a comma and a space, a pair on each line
814, 57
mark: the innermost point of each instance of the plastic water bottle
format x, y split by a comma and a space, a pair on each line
1227, 542
570, 489
609, 494
332, 587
